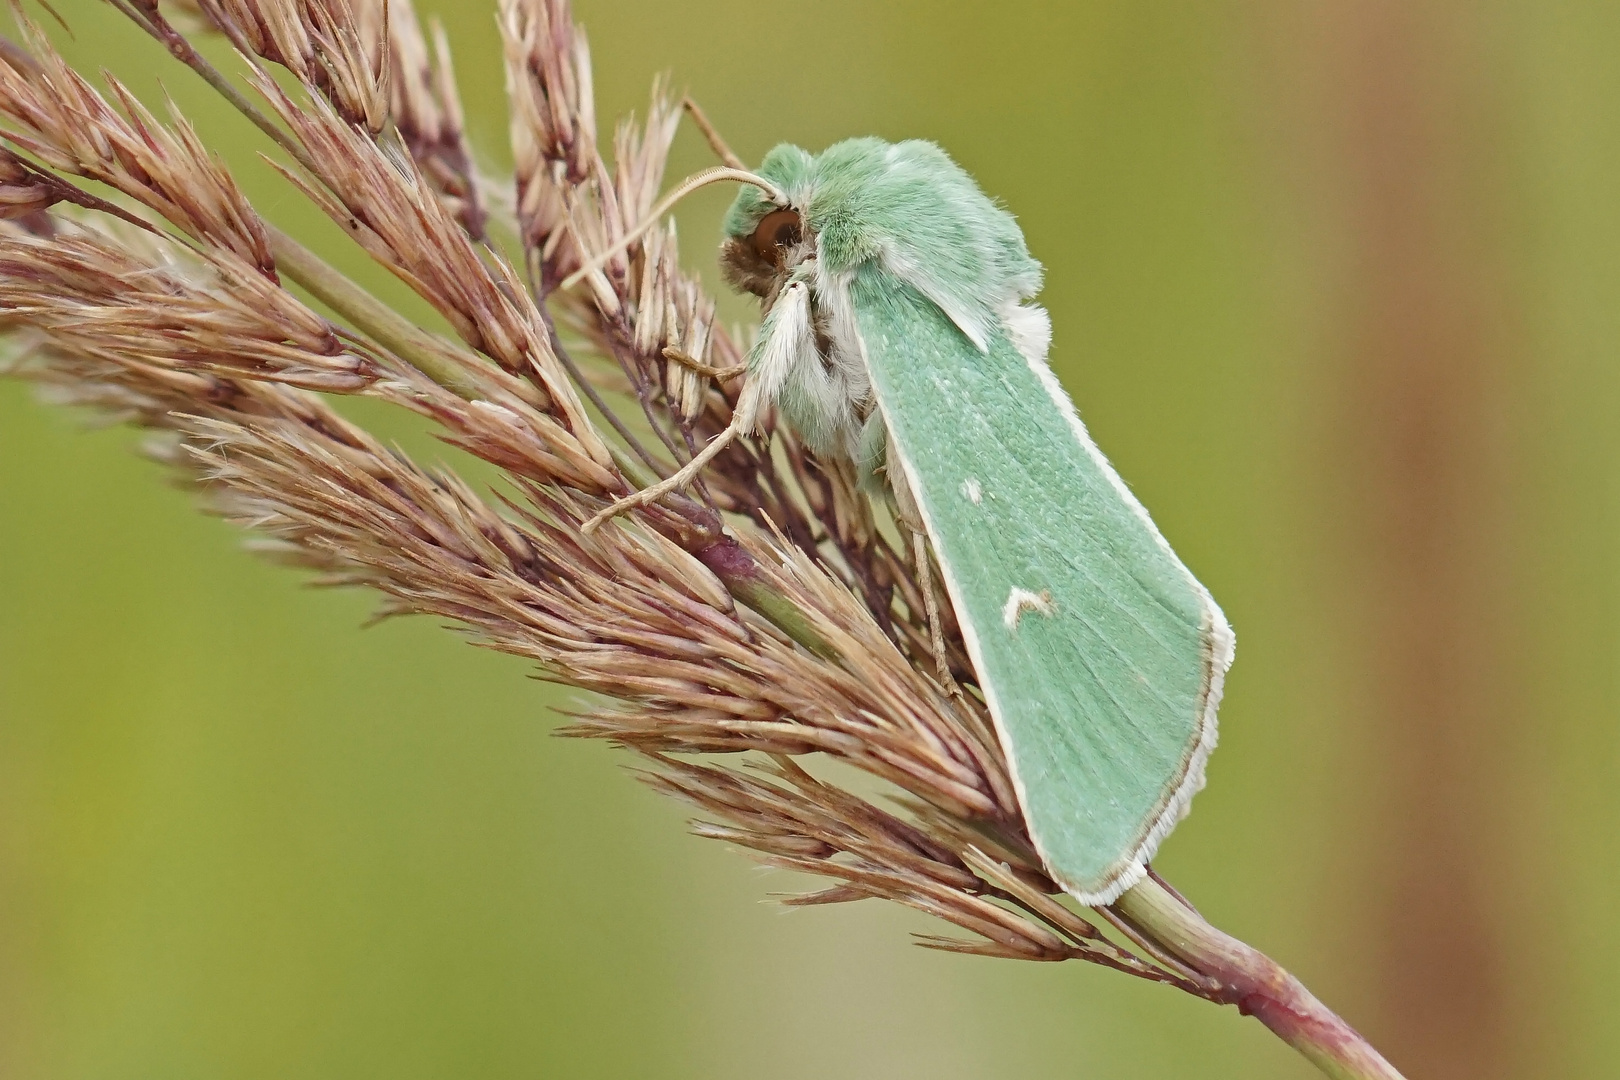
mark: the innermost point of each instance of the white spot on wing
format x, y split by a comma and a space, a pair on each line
1022, 600
971, 491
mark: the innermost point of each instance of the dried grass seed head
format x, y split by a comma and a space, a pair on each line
59, 118
624, 612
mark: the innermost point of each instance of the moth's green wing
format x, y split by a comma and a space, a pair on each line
1100, 655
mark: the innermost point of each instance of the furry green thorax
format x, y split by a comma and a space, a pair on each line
908, 207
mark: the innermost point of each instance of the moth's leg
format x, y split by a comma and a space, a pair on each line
936, 630
782, 343
718, 374
905, 504
682, 477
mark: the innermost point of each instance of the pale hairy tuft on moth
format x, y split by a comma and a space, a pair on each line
1030, 328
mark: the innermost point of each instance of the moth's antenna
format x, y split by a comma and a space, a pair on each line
682, 190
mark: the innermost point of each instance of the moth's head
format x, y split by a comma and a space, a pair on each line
764, 239
906, 205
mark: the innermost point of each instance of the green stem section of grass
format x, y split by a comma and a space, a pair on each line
1259, 986
422, 350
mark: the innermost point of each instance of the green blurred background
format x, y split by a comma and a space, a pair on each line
1335, 284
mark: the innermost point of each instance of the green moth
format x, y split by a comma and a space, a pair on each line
898, 335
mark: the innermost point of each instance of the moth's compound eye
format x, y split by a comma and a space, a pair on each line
778, 230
